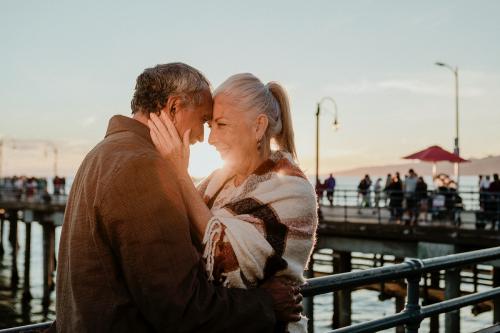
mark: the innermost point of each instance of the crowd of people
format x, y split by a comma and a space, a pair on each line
489, 201
327, 186
31, 188
408, 198
400, 196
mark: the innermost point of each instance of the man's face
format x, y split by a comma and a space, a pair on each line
194, 117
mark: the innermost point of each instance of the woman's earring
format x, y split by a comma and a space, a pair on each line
259, 144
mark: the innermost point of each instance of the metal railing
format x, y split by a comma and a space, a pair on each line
411, 270
432, 205
35, 328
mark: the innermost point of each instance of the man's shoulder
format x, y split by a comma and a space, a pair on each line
114, 158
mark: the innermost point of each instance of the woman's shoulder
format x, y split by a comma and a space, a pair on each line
284, 165
287, 177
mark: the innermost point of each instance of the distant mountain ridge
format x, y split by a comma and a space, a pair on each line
477, 166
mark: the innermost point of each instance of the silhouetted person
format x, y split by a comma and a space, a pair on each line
388, 181
330, 188
364, 191
494, 201
396, 198
422, 197
410, 186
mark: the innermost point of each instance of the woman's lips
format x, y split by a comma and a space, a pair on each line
222, 150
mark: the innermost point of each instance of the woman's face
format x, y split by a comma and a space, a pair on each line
232, 132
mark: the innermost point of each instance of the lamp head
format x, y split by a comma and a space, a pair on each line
440, 64
336, 124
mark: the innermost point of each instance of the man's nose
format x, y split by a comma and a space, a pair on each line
201, 135
197, 134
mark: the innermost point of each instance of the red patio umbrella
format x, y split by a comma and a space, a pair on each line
435, 154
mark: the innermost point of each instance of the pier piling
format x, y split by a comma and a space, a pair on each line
309, 301
15, 247
496, 301
1, 235
434, 320
48, 262
452, 290
27, 261
342, 298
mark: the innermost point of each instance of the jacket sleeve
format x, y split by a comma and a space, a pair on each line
146, 224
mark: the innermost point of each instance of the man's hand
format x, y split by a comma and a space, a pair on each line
167, 141
286, 299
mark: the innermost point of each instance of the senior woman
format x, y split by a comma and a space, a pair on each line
256, 216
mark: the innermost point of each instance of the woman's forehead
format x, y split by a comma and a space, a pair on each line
224, 107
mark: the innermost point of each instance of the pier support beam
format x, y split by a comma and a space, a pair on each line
400, 306
452, 290
434, 320
1, 235
49, 262
496, 301
27, 261
14, 279
342, 298
309, 301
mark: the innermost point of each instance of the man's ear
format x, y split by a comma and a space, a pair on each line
171, 107
261, 126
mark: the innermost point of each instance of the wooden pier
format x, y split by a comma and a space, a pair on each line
49, 216
343, 234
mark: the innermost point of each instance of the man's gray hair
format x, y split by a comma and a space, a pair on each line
155, 85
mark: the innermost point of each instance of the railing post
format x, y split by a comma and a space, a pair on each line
379, 216
345, 205
452, 290
413, 294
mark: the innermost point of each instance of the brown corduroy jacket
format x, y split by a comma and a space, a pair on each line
126, 260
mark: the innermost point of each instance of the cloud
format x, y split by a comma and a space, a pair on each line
412, 86
89, 121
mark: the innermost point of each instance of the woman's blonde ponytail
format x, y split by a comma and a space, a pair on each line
285, 138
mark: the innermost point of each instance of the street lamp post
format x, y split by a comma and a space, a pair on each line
335, 125
1, 158
56, 155
308, 302
456, 149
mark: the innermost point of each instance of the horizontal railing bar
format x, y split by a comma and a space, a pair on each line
405, 317
459, 302
321, 285
27, 328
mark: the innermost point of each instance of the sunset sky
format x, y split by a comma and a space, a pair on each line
67, 67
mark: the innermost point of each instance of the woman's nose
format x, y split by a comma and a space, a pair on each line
211, 137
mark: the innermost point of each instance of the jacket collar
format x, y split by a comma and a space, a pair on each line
119, 123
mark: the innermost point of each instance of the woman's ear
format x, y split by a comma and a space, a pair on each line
261, 126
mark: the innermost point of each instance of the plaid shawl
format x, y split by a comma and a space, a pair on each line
264, 227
